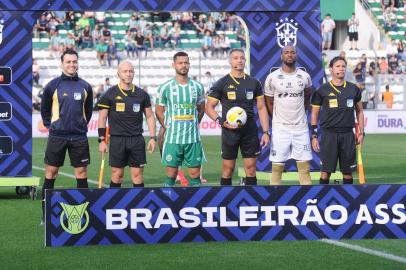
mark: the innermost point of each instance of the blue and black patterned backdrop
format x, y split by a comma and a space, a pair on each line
80, 217
261, 17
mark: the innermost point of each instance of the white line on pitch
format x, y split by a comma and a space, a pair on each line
366, 250
69, 175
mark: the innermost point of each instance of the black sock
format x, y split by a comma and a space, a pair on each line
251, 181
48, 184
226, 182
81, 183
348, 181
324, 181
138, 185
115, 185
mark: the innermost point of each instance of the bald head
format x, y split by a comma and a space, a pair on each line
125, 72
288, 48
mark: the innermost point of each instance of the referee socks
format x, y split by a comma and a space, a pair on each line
225, 182
81, 183
324, 181
251, 181
115, 185
138, 185
348, 181
48, 184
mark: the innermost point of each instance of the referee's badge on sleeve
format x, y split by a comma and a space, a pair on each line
136, 107
350, 103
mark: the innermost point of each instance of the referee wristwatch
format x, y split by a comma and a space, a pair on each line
100, 139
267, 133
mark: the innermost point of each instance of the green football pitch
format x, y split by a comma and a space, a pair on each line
22, 239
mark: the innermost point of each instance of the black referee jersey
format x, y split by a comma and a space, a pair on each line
126, 109
337, 105
241, 92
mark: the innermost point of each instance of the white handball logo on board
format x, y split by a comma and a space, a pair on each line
1, 30
286, 30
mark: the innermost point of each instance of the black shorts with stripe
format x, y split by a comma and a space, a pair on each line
56, 150
127, 151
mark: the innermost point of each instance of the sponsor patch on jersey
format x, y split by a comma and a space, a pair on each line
119, 97
331, 95
249, 94
231, 95
77, 96
333, 103
120, 107
184, 117
350, 103
136, 107
231, 86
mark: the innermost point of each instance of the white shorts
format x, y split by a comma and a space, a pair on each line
290, 144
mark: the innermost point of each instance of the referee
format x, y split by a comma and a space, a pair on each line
239, 89
336, 102
124, 105
66, 109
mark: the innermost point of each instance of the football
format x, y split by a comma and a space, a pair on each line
236, 117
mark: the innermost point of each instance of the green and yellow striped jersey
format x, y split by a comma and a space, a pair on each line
181, 115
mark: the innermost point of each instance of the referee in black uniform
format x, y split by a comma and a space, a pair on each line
239, 89
336, 101
125, 105
66, 109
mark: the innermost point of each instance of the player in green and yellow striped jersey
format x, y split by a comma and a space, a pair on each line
179, 108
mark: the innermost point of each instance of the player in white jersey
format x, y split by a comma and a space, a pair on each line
179, 109
287, 95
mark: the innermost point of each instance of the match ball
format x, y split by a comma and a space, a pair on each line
236, 117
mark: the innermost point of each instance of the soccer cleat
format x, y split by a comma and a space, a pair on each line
183, 181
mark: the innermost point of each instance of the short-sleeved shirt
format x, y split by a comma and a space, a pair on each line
126, 109
241, 92
337, 105
181, 114
287, 89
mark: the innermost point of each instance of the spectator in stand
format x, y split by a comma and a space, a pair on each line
142, 23
83, 22
139, 44
223, 21
373, 70
176, 17
129, 43
385, 4
112, 53
387, 97
393, 65
383, 66
164, 36
402, 67
207, 44
52, 25
343, 55
401, 51
35, 71
216, 46
133, 23
175, 33
327, 27
100, 17
149, 35
101, 50
96, 34
225, 45
56, 44
86, 38
69, 42
77, 36
233, 22
390, 20
353, 24
60, 16
41, 26
106, 33
187, 21
211, 25
359, 74
201, 26
391, 49
240, 32
104, 87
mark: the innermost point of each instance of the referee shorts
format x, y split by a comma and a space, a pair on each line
245, 139
56, 150
338, 147
127, 151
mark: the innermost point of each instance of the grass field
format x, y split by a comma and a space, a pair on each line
22, 239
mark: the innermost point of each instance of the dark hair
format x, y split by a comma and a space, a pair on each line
69, 51
178, 54
387, 87
335, 59
328, 14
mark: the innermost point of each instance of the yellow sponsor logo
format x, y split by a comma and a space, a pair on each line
231, 86
186, 117
333, 103
231, 95
119, 97
331, 95
120, 107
